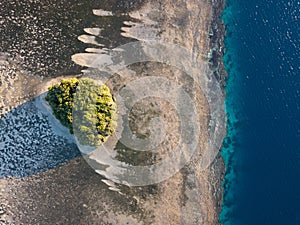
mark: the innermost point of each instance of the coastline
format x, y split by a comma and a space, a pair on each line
134, 207
208, 47
221, 75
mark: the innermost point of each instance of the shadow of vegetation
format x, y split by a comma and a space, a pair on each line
31, 143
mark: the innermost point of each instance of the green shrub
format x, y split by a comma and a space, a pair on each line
86, 108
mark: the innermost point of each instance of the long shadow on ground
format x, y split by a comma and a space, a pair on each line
28, 143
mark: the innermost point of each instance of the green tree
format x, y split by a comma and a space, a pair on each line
85, 107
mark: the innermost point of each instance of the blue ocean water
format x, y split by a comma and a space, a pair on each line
262, 149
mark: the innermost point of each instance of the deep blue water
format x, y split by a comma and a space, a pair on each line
262, 149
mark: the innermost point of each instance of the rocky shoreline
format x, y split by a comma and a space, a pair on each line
73, 193
217, 43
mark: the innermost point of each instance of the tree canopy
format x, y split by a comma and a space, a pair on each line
85, 107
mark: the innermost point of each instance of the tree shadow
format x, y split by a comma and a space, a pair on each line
30, 141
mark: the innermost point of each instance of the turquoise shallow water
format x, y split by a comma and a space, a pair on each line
261, 151
232, 111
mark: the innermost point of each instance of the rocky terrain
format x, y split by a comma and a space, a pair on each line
39, 186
